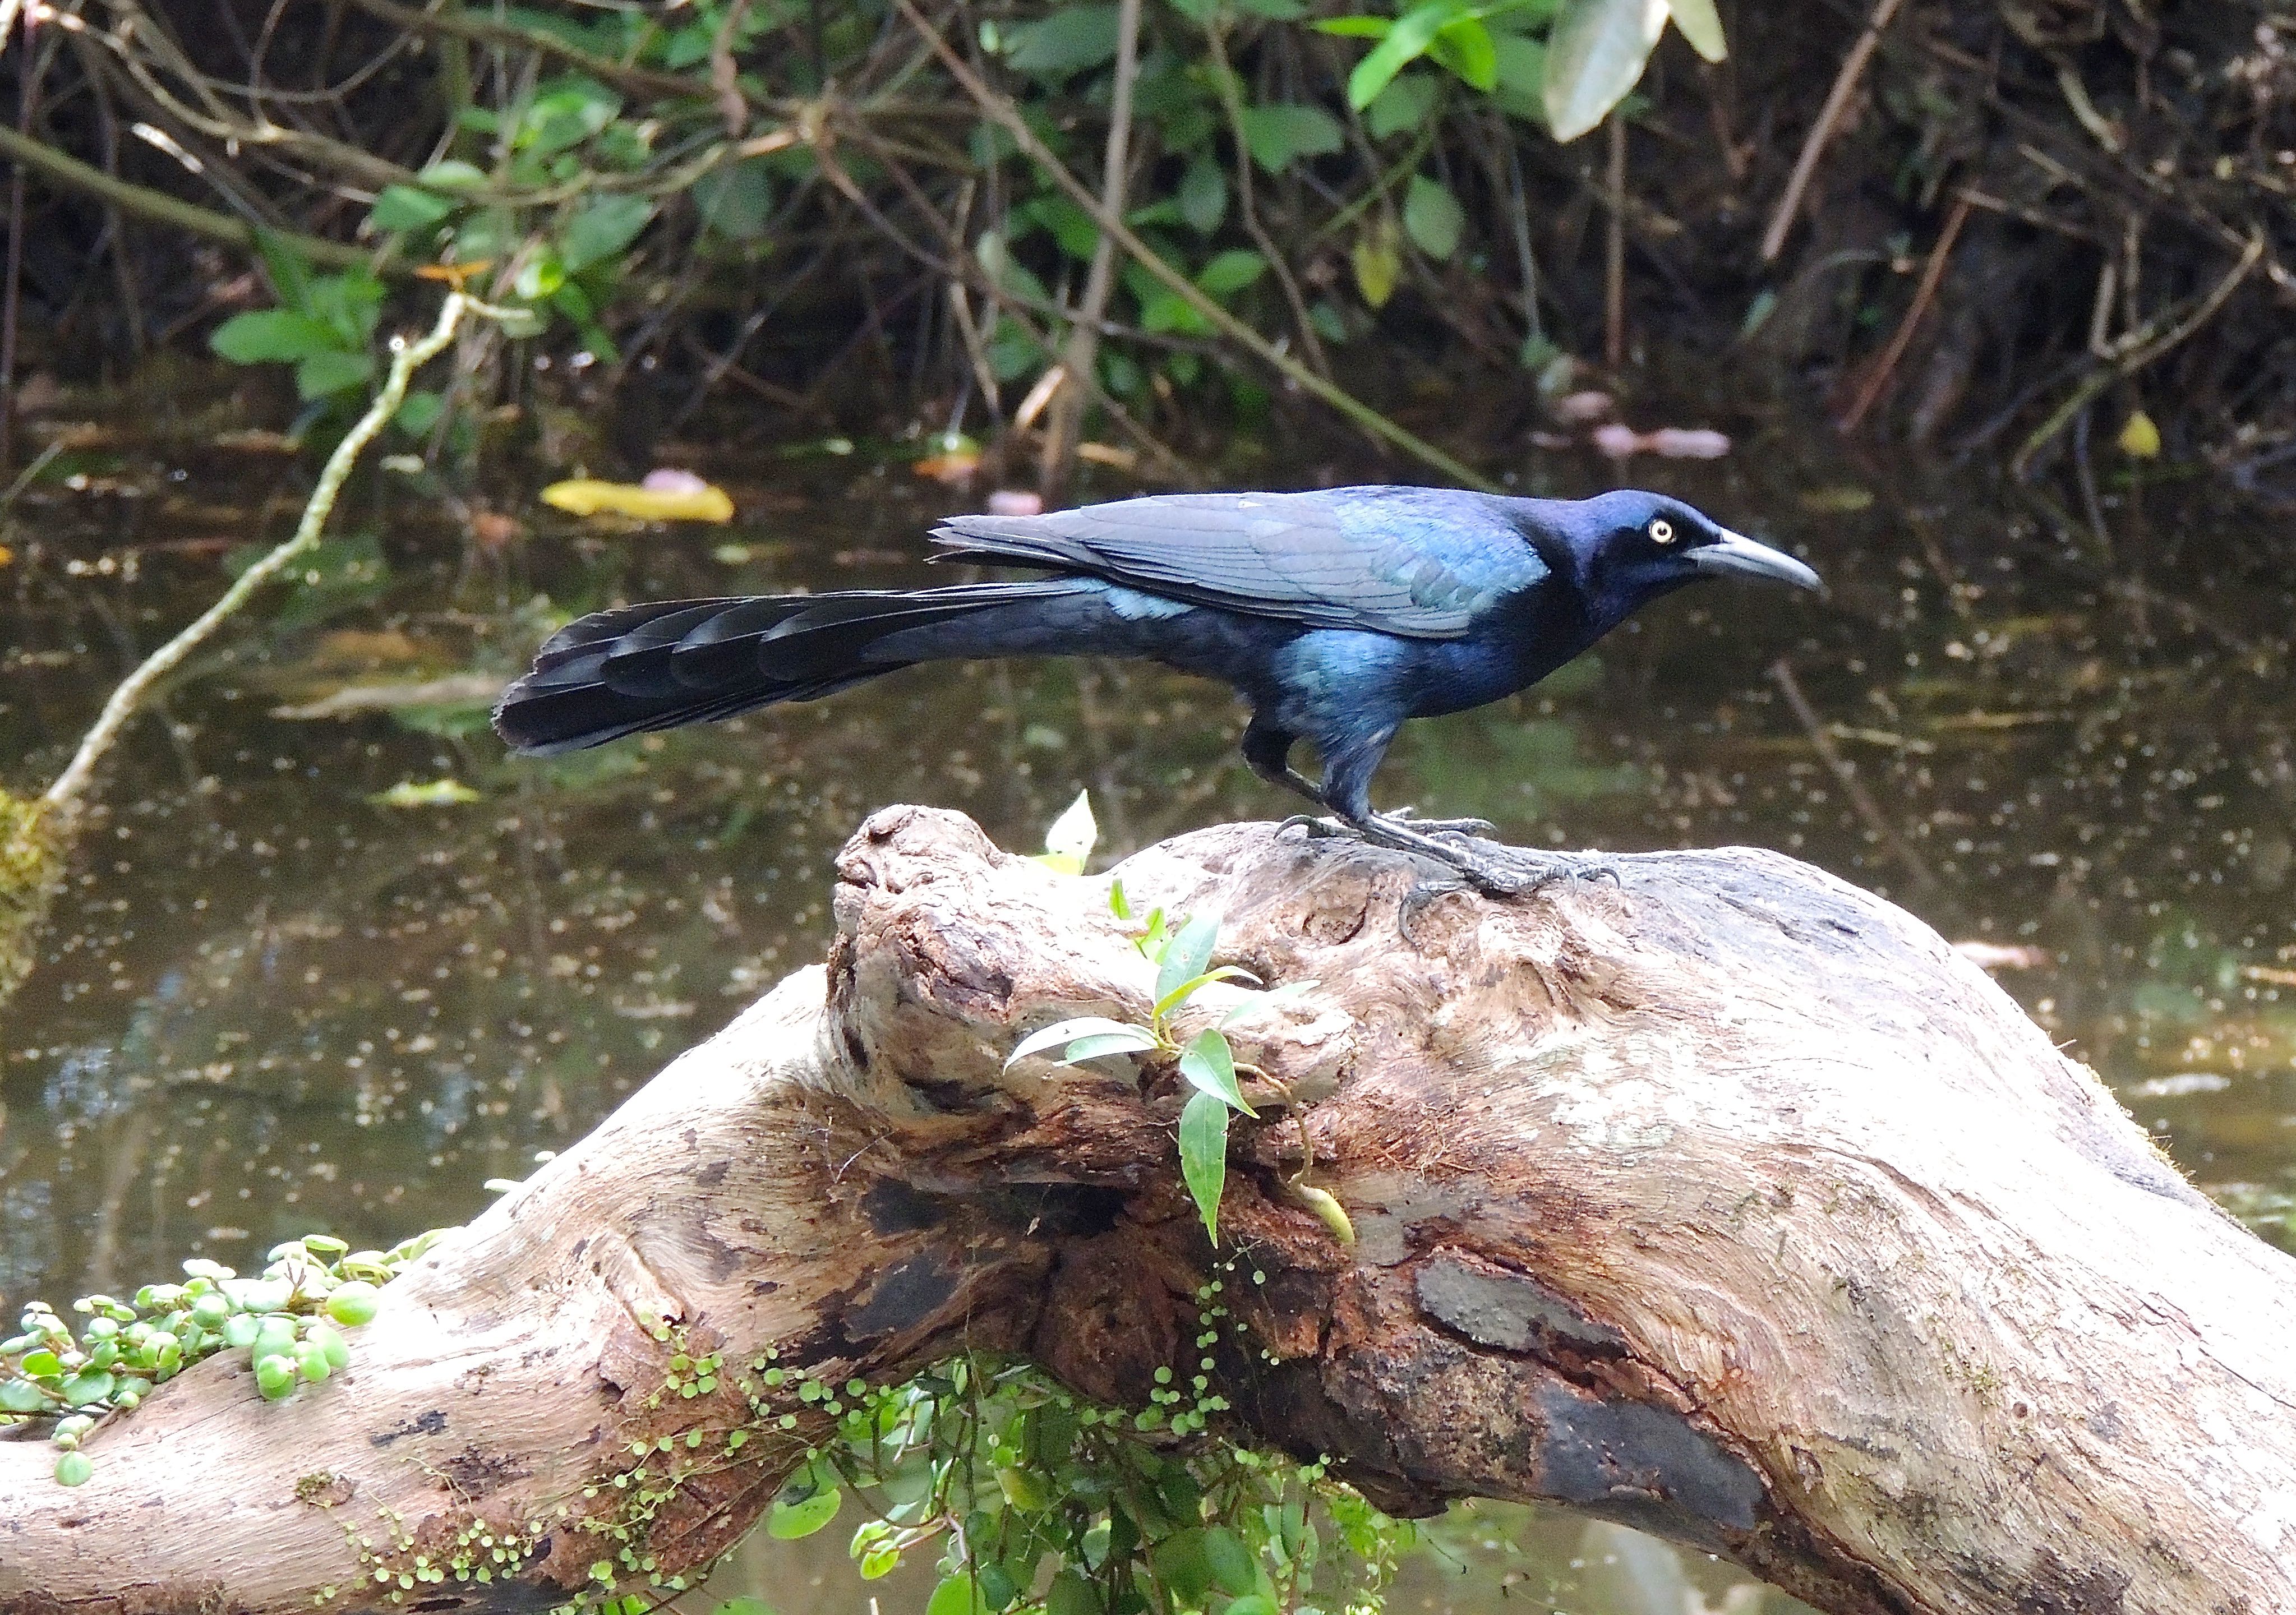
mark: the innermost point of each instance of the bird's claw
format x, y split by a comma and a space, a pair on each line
1520, 874
1317, 826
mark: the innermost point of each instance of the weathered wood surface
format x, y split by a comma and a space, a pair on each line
1724, 1200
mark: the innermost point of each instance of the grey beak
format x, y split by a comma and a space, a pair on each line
1736, 553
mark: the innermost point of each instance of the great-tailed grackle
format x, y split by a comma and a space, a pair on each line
1337, 613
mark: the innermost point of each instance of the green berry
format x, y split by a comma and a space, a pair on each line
338, 1352
354, 1303
311, 1362
73, 1469
274, 1377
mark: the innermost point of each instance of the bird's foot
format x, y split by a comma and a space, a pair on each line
1497, 870
1317, 826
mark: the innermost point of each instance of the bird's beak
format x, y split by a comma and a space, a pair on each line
1736, 553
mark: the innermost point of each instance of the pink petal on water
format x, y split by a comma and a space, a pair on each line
1687, 443
1616, 441
665, 480
1015, 502
1578, 408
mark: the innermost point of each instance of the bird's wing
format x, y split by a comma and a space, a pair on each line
1414, 561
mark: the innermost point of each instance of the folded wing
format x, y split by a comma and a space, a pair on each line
1343, 558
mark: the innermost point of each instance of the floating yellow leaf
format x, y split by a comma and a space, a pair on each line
2140, 439
682, 499
435, 793
6, 555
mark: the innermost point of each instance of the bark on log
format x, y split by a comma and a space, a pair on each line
1724, 1200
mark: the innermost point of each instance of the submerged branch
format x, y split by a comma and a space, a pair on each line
66, 796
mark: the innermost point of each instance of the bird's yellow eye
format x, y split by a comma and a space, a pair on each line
1662, 531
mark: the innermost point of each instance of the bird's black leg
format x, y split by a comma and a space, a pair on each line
1268, 750
1499, 871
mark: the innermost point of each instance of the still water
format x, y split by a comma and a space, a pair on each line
274, 1000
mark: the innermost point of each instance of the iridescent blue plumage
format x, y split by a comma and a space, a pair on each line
1338, 614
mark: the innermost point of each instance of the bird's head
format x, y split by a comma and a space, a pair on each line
1631, 547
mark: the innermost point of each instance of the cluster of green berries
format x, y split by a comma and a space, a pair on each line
288, 1321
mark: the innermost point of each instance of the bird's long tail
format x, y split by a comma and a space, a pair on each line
686, 661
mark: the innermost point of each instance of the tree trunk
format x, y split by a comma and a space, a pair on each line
1724, 1200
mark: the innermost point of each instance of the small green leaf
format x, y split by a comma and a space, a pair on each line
1232, 1565
1071, 1595
354, 1303
1187, 990
1522, 77
1230, 273
735, 201
1466, 47
407, 208
1118, 904
73, 1469
453, 173
1203, 194
1186, 954
1280, 132
1074, 832
1594, 56
1701, 25
792, 1519
290, 270
1378, 264
1179, 1564
322, 375
1082, 1026
271, 335
1432, 216
957, 1594
1070, 39
1405, 104
85, 1387
1403, 44
418, 412
1357, 27
1208, 1064
22, 1395
601, 229
1203, 1159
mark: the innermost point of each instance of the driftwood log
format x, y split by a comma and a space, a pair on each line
1723, 1200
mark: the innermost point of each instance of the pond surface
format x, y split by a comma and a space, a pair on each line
272, 1002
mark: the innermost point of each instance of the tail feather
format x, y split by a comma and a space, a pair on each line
642, 667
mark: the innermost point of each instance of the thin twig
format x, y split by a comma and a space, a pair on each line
726, 73
2133, 350
1025, 137
1614, 249
1247, 207
1933, 272
13, 290
65, 797
1782, 673
171, 210
1080, 353
1813, 145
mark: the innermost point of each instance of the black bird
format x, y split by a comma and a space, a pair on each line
1336, 613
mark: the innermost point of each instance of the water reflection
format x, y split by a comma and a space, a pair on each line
273, 1003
